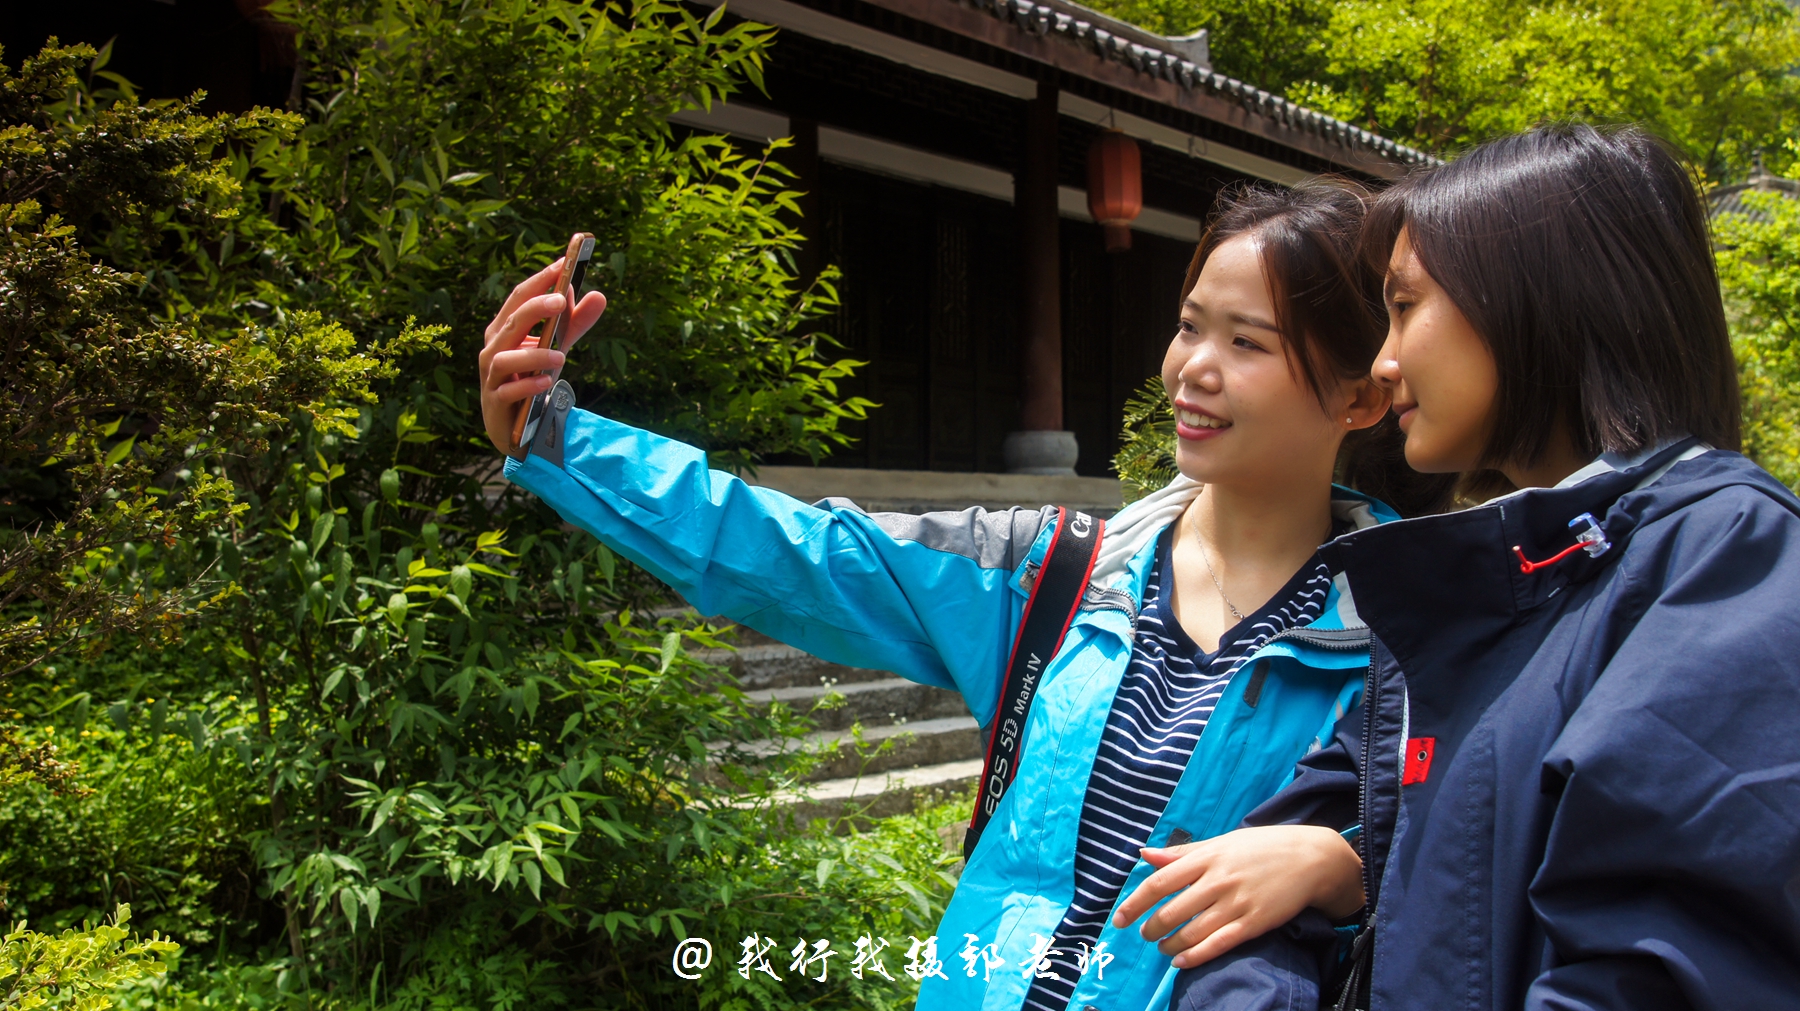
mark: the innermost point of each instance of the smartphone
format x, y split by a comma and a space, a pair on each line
574, 271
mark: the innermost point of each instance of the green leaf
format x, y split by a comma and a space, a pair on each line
321, 533
553, 867
502, 863
381, 162
117, 453
383, 812
671, 648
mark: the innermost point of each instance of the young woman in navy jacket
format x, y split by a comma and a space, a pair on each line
1575, 782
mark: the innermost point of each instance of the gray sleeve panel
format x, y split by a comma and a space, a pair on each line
993, 540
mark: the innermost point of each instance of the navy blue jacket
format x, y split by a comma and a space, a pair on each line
1601, 799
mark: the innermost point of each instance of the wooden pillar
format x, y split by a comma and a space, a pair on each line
1040, 446
1040, 316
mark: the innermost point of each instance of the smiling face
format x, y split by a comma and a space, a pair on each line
1441, 373
1245, 415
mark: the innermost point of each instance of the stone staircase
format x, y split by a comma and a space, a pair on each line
935, 751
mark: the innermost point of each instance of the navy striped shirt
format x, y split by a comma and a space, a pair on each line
1165, 697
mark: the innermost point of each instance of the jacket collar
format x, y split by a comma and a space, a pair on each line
1462, 570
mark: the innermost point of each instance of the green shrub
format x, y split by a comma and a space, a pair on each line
105, 401
1145, 461
1759, 270
419, 744
159, 827
416, 192
77, 969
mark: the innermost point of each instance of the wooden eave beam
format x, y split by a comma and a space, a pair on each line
1058, 54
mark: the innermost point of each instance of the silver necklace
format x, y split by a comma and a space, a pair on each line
1200, 542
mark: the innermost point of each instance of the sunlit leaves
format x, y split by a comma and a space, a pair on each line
77, 969
1715, 78
1759, 270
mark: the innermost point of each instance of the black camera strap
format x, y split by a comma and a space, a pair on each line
1055, 597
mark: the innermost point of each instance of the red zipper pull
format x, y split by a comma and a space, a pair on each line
1591, 539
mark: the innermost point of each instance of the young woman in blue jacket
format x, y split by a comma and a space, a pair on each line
1577, 768
1212, 650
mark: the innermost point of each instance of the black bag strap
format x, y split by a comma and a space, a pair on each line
1055, 596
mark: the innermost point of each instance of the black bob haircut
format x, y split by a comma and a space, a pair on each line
1582, 258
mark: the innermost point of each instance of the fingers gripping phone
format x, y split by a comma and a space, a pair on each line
574, 271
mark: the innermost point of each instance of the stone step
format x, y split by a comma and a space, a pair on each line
744, 636
739, 635
773, 665
925, 742
915, 744
880, 795
887, 700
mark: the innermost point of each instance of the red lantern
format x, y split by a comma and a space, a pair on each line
1115, 187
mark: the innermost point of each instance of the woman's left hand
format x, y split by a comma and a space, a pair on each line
1241, 885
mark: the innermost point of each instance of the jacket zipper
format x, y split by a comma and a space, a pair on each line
1371, 703
1359, 950
1337, 640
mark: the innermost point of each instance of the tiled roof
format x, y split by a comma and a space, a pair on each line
1730, 199
1168, 60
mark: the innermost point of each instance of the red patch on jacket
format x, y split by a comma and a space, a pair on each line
1418, 760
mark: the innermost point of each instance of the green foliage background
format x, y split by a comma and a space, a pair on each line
1759, 267
1714, 77
356, 723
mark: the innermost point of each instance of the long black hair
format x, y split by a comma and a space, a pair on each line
1582, 258
1328, 309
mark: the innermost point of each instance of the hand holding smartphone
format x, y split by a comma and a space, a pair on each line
518, 367
556, 329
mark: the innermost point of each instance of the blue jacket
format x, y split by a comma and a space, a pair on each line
1599, 807
938, 599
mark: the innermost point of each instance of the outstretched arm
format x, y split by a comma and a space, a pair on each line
934, 598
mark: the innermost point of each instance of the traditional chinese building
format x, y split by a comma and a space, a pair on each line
946, 145
954, 153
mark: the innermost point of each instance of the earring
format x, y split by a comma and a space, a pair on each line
1349, 421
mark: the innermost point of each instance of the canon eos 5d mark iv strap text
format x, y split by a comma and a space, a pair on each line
1055, 597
